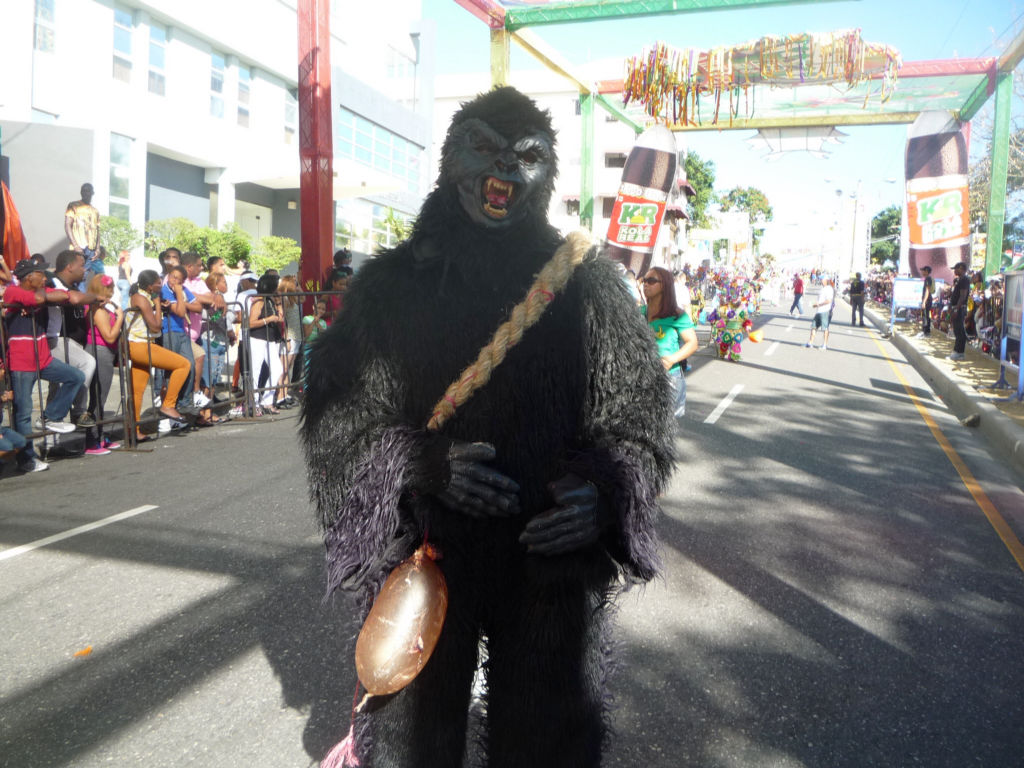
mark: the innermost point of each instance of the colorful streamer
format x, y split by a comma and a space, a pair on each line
669, 82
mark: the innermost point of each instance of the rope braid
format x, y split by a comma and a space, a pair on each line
549, 282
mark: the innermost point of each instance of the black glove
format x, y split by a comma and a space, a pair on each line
453, 472
577, 522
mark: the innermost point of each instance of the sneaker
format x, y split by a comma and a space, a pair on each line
157, 400
59, 427
200, 400
85, 421
97, 451
237, 412
111, 445
823, 347
808, 344
164, 426
34, 466
957, 356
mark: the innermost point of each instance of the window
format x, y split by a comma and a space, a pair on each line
607, 204
216, 85
377, 147
122, 45
244, 79
291, 115
120, 175
615, 160
157, 59
45, 33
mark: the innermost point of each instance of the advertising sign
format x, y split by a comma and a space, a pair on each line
634, 222
1014, 303
937, 212
937, 232
906, 292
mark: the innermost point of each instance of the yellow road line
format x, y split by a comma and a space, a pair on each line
997, 521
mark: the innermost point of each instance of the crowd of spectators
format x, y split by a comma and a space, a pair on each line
174, 332
984, 317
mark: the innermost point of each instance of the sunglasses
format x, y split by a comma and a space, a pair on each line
651, 281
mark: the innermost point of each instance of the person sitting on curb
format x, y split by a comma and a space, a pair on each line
822, 311
29, 357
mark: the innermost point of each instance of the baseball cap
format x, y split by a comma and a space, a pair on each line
26, 267
248, 276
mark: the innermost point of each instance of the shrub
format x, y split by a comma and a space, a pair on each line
117, 235
273, 253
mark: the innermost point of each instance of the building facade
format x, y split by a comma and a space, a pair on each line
188, 108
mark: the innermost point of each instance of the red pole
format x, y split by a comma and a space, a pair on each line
316, 140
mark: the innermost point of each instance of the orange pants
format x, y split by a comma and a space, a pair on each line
176, 365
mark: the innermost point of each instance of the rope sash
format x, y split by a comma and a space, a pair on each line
550, 281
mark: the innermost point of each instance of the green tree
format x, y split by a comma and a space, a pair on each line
118, 235
180, 233
701, 176
885, 235
233, 244
396, 226
755, 203
980, 171
273, 252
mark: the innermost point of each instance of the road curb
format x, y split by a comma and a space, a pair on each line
1004, 436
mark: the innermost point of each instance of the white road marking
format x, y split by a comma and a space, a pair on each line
789, 328
771, 349
15, 551
726, 401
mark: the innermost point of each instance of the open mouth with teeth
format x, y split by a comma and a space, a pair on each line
497, 196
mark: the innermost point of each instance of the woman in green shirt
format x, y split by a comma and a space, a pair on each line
673, 329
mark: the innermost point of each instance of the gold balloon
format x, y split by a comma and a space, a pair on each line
404, 625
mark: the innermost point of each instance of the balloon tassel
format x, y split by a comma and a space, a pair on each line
344, 753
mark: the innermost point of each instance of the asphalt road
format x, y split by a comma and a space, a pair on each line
833, 595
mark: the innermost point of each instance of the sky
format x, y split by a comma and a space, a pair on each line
799, 186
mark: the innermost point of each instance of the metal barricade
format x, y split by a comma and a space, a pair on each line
13, 410
262, 350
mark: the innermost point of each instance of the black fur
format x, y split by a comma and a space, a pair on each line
583, 392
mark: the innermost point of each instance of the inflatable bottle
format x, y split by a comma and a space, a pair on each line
937, 209
647, 180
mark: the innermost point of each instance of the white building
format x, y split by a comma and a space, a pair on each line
613, 140
188, 108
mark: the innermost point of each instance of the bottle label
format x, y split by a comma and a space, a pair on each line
634, 221
937, 211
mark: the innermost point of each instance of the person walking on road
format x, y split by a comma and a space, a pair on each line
857, 299
958, 308
927, 291
822, 313
673, 329
798, 294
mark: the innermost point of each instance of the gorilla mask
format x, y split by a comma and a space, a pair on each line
499, 156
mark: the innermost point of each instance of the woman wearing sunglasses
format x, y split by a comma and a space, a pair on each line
673, 328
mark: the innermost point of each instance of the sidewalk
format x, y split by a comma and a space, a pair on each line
964, 386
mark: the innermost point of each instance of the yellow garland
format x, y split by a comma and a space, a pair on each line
549, 282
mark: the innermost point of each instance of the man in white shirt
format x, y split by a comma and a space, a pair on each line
822, 312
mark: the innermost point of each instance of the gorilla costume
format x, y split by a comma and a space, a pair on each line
540, 492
